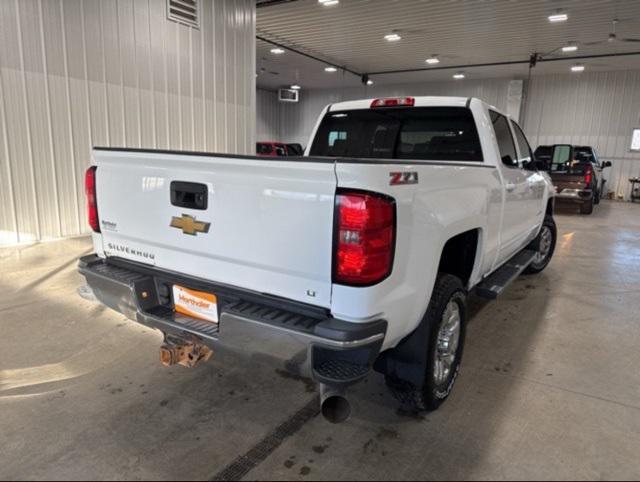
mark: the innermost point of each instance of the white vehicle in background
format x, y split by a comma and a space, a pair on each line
359, 255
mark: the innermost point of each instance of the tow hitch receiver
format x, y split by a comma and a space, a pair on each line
187, 353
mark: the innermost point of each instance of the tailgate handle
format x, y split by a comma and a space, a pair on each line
189, 195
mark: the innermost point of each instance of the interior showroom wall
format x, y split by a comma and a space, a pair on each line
556, 109
112, 73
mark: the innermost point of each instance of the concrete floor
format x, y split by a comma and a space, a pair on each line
550, 385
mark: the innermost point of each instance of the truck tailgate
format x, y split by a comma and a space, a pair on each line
568, 181
267, 227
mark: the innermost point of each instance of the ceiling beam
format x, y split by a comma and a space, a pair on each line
508, 62
272, 3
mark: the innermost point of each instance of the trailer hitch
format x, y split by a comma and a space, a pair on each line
187, 353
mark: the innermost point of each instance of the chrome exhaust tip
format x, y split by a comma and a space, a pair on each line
334, 406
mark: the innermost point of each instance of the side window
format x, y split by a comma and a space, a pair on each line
506, 145
523, 145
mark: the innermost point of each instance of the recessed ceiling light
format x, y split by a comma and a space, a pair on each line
570, 47
330, 69
558, 16
277, 51
433, 60
369, 82
328, 3
392, 37
295, 87
459, 75
577, 68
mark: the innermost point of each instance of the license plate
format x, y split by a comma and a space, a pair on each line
196, 304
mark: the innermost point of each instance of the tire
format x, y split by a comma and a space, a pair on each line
596, 199
586, 207
542, 243
447, 293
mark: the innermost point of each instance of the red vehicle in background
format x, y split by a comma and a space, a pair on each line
278, 149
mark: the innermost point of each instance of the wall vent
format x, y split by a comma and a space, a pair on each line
186, 12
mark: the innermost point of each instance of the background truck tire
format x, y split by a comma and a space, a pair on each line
586, 207
541, 263
448, 291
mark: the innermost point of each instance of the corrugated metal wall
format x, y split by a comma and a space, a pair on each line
598, 109
267, 116
298, 120
77, 73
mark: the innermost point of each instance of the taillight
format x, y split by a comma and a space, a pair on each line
364, 238
92, 202
588, 176
394, 102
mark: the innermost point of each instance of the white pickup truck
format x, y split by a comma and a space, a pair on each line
358, 255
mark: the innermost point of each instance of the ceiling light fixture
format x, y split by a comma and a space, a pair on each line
433, 60
295, 87
369, 82
330, 69
558, 16
329, 3
570, 47
459, 75
392, 37
577, 68
277, 51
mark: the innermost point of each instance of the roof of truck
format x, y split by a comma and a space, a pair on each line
420, 101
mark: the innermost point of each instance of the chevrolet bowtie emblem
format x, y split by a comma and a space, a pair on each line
189, 225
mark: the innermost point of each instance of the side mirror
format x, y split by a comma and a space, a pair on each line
606, 164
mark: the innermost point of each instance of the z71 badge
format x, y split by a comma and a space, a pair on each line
403, 178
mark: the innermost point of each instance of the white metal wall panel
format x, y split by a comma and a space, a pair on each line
598, 109
79, 73
268, 111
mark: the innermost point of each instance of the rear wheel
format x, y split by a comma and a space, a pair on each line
587, 207
544, 245
446, 322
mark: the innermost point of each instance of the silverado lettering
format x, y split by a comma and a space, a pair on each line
134, 252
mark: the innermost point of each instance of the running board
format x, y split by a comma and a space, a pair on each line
492, 286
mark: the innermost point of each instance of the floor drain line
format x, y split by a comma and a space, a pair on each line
245, 463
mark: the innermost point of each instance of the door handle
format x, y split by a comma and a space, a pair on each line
510, 187
189, 195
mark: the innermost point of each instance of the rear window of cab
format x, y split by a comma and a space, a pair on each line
417, 133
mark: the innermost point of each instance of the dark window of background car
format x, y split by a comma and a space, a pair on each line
585, 154
506, 145
544, 153
264, 148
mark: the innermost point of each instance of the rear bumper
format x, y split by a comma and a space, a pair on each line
330, 351
578, 195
